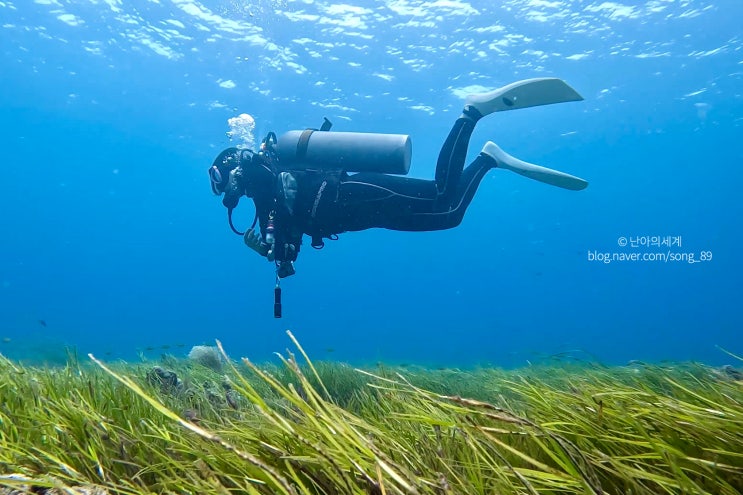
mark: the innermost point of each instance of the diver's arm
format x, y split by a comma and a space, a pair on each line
257, 237
255, 241
285, 252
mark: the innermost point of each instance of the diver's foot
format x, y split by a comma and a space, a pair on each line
542, 174
523, 94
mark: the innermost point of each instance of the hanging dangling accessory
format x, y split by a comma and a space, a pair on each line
277, 298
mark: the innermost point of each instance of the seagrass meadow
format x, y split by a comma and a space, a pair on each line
298, 427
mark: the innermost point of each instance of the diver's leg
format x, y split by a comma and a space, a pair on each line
451, 214
369, 200
453, 153
521, 94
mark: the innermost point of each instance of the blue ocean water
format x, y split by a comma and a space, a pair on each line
112, 111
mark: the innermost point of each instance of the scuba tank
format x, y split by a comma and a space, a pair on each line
347, 151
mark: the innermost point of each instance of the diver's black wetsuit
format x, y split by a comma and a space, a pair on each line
328, 203
401, 203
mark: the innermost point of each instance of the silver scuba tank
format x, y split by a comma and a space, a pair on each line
348, 151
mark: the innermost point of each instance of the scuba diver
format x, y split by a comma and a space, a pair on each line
321, 183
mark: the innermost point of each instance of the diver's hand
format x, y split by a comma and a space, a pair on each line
286, 269
255, 242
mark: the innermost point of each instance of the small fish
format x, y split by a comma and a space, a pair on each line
42, 323
191, 415
6, 340
229, 396
732, 373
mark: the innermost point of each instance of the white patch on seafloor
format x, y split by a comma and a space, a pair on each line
577, 56
228, 84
